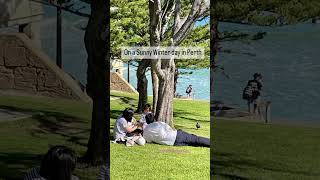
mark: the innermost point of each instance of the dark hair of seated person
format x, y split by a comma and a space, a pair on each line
128, 114
146, 106
58, 163
149, 118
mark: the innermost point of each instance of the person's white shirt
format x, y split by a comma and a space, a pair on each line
143, 119
120, 128
133, 121
160, 132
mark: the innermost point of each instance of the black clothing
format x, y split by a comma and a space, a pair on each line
186, 139
252, 90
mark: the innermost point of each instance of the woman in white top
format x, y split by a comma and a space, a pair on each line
123, 125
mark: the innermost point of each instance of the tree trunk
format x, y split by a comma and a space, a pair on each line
98, 82
142, 84
164, 111
176, 76
213, 46
164, 70
155, 88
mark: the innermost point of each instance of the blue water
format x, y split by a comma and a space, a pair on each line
199, 79
288, 58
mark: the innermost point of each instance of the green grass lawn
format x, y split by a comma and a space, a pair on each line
246, 150
154, 161
242, 150
23, 142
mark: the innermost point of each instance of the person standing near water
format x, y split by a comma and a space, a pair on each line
252, 92
189, 91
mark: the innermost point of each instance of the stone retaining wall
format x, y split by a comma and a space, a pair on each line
27, 69
118, 83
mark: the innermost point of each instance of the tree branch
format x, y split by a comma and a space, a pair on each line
167, 11
155, 31
199, 7
66, 8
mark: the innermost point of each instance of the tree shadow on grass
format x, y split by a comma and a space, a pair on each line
114, 114
222, 161
13, 166
128, 101
185, 114
73, 129
69, 127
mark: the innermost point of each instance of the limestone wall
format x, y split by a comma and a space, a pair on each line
118, 83
27, 69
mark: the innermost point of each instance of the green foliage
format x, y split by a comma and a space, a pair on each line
129, 24
292, 11
130, 27
198, 37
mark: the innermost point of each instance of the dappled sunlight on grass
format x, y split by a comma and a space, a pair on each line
154, 161
54, 121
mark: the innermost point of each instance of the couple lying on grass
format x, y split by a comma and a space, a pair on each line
126, 130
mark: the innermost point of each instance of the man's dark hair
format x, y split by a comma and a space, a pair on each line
257, 75
128, 114
58, 163
147, 106
149, 118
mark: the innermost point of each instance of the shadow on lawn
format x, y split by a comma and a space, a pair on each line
63, 125
14, 165
223, 161
129, 101
114, 114
69, 127
184, 114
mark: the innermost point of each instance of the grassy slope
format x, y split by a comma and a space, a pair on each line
245, 150
158, 161
23, 142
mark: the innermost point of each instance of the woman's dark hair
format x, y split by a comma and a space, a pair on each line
147, 106
128, 114
58, 163
149, 118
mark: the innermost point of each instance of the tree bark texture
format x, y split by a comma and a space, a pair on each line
98, 82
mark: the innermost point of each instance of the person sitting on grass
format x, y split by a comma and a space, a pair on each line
161, 133
146, 110
58, 163
123, 126
125, 131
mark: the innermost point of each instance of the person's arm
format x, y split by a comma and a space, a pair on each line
130, 129
125, 126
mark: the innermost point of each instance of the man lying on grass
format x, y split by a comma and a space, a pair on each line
161, 133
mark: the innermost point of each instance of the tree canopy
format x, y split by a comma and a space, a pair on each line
129, 24
267, 12
130, 27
